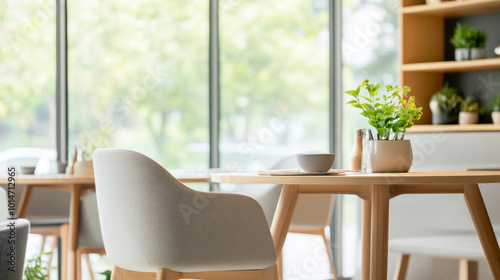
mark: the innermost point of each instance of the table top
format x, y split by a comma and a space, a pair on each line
356, 178
60, 179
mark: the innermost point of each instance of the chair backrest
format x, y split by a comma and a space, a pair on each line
312, 211
151, 220
12, 261
134, 194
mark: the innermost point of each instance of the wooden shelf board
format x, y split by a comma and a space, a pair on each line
453, 128
453, 66
454, 8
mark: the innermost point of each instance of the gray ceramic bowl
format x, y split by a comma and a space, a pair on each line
27, 169
315, 162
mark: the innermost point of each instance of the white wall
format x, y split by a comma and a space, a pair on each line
420, 215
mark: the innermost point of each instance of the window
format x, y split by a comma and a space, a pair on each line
141, 70
274, 81
27, 83
369, 51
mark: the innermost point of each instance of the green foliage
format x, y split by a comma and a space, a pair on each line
106, 273
494, 103
467, 37
389, 113
94, 141
469, 105
35, 269
445, 100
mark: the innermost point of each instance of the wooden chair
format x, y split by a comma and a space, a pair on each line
89, 234
312, 214
465, 248
153, 225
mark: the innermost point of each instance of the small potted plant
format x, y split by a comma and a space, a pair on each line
494, 106
445, 105
468, 42
82, 159
469, 111
390, 114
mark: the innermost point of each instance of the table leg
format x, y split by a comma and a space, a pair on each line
74, 222
380, 232
283, 215
484, 230
25, 201
365, 242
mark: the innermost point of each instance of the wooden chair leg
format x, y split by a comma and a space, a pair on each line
89, 265
467, 270
280, 267
64, 233
270, 273
42, 247
329, 253
119, 273
166, 274
401, 267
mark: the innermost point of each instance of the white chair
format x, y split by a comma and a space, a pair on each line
464, 247
89, 234
152, 223
312, 214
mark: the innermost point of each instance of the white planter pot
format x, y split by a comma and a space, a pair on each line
390, 155
468, 118
495, 116
470, 53
85, 167
477, 53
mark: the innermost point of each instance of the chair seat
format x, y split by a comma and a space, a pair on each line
457, 246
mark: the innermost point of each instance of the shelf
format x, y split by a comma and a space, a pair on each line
454, 8
453, 128
453, 66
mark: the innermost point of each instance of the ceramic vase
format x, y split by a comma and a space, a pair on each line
445, 117
390, 156
465, 118
495, 116
84, 167
469, 53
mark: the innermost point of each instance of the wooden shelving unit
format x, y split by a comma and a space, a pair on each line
453, 128
422, 47
454, 8
453, 66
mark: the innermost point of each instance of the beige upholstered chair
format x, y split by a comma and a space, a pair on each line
465, 248
312, 214
152, 223
89, 234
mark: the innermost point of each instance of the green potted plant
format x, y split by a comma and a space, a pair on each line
82, 158
390, 114
445, 105
468, 42
494, 106
469, 111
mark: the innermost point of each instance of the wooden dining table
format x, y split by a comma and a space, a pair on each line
375, 190
76, 185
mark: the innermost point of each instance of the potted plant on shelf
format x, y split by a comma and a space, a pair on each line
469, 111
445, 105
390, 114
494, 106
468, 42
